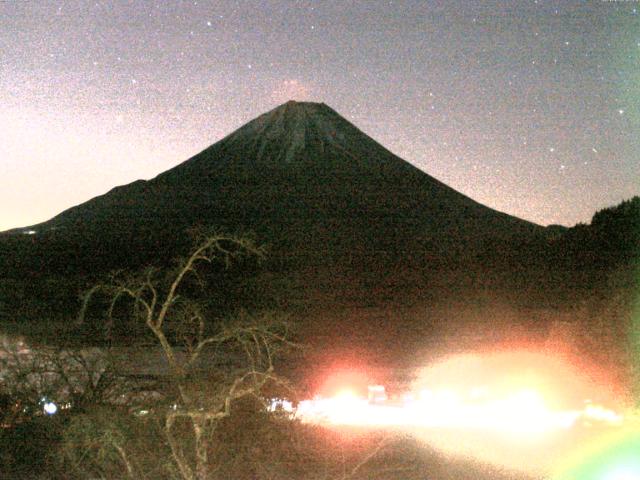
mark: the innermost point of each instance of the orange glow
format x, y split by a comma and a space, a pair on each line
518, 409
561, 381
342, 380
346, 395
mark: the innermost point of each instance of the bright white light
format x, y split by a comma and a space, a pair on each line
601, 414
50, 408
523, 412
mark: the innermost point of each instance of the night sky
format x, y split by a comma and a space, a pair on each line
531, 108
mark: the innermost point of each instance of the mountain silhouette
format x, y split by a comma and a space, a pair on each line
319, 192
372, 257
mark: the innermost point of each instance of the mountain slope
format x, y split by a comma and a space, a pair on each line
305, 181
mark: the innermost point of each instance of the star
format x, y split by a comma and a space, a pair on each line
516, 109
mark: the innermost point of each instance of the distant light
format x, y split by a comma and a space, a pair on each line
599, 413
376, 393
29, 232
50, 408
280, 405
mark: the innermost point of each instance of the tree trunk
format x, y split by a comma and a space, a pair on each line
202, 453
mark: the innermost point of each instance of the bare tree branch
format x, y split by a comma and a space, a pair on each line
163, 309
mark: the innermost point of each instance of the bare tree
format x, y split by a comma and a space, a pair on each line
31, 375
239, 353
